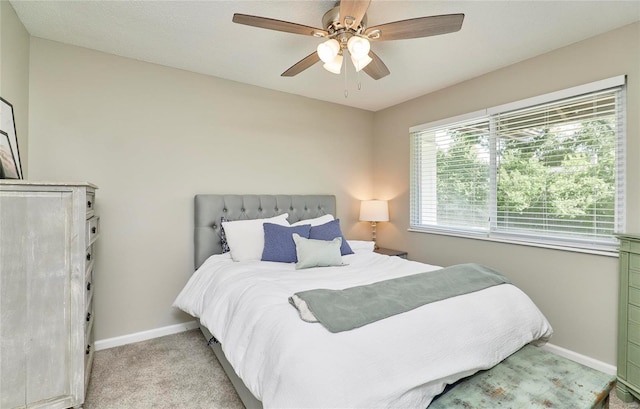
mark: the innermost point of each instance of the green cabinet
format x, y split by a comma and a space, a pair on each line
628, 385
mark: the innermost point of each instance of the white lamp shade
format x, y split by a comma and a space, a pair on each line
374, 211
358, 47
328, 50
361, 62
335, 65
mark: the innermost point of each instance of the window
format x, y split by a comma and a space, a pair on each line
547, 171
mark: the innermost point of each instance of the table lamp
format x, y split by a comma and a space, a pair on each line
374, 211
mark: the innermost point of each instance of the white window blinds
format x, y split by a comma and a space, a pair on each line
451, 170
548, 173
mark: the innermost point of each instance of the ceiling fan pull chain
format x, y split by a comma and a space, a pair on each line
346, 91
358, 80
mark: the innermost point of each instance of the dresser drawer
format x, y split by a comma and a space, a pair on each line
633, 374
88, 257
633, 332
634, 314
88, 322
632, 246
88, 361
634, 278
633, 354
88, 334
634, 261
88, 286
88, 353
90, 205
93, 229
634, 296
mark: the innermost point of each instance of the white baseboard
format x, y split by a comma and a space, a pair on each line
144, 335
581, 359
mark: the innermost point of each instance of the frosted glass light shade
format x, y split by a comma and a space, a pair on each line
328, 50
335, 65
358, 47
374, 211
361, 62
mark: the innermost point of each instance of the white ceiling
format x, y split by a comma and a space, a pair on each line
199, 36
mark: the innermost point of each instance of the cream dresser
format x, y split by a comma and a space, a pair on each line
47, 253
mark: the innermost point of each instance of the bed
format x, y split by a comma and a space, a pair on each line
276, 359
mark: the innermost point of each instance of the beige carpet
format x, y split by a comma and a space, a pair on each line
176, 371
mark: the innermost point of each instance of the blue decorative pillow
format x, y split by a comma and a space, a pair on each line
223, 236
278, 242
330, 231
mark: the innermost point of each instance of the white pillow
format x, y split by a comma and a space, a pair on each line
246, 237
317, 253
360, 246
315, 222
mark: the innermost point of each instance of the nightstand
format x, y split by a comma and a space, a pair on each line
391, 252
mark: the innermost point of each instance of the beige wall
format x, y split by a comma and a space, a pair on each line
577, 292
14, 73
152, 137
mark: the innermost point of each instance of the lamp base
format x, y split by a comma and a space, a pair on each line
373, 236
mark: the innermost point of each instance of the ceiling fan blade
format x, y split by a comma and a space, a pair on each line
278, 25
302, 65
376, 68
416, 27
353, 10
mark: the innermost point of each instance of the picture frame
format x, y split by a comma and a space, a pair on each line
8, 166
8, 127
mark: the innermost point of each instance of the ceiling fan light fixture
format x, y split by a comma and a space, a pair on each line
334, 66
360, 63
358, 47
328, 50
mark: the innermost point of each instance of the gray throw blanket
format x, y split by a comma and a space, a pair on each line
342, 310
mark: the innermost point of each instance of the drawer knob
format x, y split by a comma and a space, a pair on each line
88, 256
88, 316
89, 204
88, 349
89, 286
94, 230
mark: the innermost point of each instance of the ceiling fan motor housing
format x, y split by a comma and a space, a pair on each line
332, 23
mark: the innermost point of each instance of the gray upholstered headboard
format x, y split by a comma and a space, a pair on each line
210, 208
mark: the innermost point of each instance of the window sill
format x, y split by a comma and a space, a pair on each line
599, 252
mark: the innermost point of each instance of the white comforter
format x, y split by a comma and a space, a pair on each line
400, 362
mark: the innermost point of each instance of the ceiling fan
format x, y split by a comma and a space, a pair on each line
345, 28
